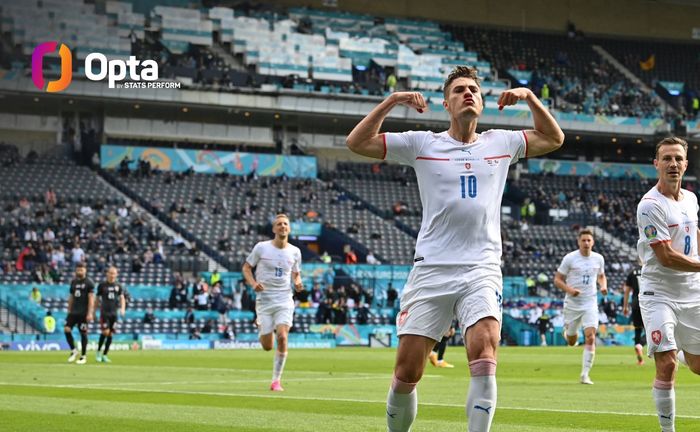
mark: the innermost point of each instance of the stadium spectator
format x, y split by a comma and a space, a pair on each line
49, 323
149, 317
350, 256
35, 295
50, 197
371, 259
391, 296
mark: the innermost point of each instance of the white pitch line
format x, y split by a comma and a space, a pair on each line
101, 385
271, 396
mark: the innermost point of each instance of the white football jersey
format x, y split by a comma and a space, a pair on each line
582, 273
461, 186
273, 269
660, 219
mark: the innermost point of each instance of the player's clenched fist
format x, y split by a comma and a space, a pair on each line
512, 96
414, 100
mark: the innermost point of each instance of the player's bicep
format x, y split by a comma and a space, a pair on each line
374, 147
559, 277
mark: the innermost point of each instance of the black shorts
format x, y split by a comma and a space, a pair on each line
636, 317
108, 322
77, 319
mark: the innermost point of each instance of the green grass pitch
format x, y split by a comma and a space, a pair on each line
333, 390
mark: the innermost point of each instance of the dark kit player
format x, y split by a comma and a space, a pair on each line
110, 297
81, 303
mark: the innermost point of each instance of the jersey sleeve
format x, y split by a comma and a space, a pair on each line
602, 265
296, 267
651, 220
630, 279
403, 147
254, 256
565, 266
89, 286
516, 144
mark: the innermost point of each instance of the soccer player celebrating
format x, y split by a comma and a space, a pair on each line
456, 273
81, 303
631, 285
667, 220
276, 263
577, 276
110, 298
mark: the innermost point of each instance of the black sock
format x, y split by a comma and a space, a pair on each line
441, 348
108, 343
71, 342
83, 343
637, 335
100, 343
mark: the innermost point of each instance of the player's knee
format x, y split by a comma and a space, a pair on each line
408, 375
666, 365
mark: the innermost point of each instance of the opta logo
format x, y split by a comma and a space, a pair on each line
66, 67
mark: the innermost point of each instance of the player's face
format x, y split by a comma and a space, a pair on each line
464, 98
111, 275
585, 243
80, 272
671, 162
281, 227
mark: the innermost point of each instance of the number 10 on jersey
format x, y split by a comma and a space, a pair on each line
468, 184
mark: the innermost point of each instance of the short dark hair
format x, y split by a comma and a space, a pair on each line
80, 265
461, 72
672, 140
585, 231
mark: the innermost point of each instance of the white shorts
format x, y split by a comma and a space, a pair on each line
272, 315
575, 319
435, 295
671, 326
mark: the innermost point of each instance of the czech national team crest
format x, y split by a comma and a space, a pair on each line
656, 337
402, 317
468, 165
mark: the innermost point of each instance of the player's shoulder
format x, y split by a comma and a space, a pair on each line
263, 244
651, 200
295, 250
691, 195
493, 134
572, 255
597, 255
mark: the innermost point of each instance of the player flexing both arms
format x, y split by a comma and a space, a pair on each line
276, 263
669, 289
461, 177
81, 304
110, 298
577, 276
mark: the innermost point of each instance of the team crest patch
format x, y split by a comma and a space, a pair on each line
468, 165
656, 337
402, 317
650, 231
